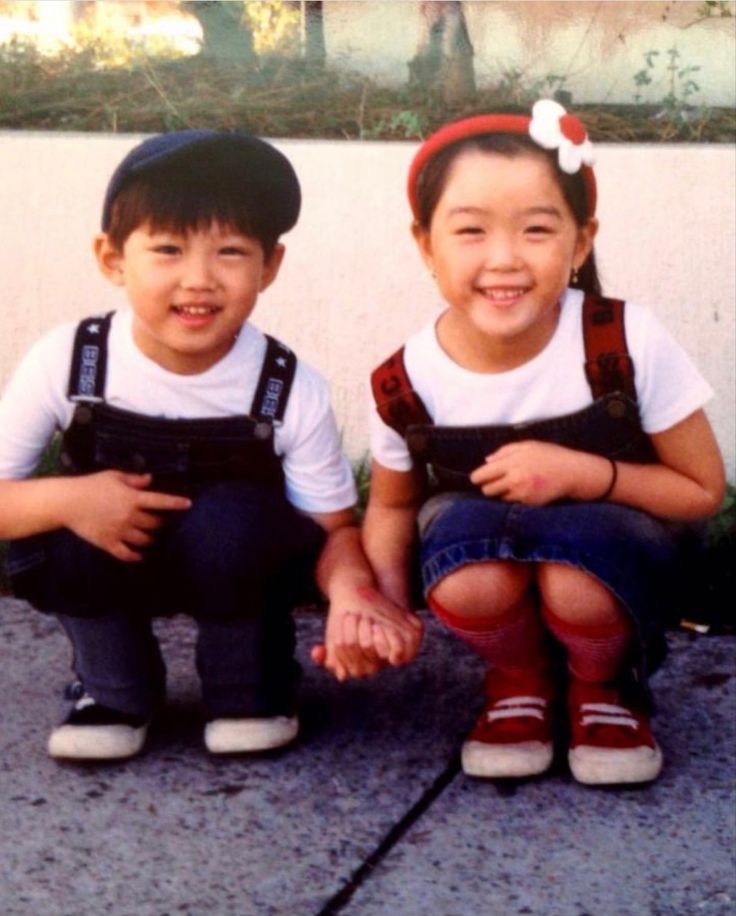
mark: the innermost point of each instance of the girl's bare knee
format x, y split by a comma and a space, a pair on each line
577, 597
484, 589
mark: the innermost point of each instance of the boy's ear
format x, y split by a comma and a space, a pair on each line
109, 259
271, 266
421, 237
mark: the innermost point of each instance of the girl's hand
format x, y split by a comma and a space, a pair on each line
364, 633
116, 512
537, 473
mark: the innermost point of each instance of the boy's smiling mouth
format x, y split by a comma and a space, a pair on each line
195, 310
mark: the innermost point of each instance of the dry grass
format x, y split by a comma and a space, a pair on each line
281, 98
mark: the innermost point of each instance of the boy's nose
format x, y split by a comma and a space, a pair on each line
198, 273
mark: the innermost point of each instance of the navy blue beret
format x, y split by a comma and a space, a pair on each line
245, 161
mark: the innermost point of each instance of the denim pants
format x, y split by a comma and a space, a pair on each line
237, 561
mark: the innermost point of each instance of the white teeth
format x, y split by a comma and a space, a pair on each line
503, 294
196, 309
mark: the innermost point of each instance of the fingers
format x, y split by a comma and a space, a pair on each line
163, 502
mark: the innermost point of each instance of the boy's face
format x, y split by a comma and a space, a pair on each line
190, 294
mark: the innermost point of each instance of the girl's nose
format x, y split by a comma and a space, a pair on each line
501, 253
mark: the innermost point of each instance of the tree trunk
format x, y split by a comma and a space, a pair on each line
314, 50
226, 34
444, 58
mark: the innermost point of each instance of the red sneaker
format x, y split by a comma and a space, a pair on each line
610, 741
513, 736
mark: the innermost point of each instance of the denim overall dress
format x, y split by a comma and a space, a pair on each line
237, 560
632, 553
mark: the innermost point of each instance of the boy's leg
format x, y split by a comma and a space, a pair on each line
116, 657
243, 552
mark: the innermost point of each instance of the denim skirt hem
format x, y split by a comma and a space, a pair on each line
640, 559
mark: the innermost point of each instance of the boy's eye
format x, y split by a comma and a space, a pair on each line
166, 249
469, 230
234, 251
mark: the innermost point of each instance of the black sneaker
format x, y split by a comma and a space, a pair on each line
92, 731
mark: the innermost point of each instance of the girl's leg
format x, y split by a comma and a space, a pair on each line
610, 737
491, 606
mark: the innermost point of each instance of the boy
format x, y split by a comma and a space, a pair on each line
201, 460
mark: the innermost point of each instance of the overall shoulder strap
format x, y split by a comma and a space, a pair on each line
89, 359
398, 405
274, 384
608, 366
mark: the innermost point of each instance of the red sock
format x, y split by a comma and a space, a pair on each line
594, 653
514, 642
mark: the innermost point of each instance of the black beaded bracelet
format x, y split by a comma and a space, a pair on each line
609, 489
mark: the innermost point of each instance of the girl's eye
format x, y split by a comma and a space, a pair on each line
469, 230
539, 230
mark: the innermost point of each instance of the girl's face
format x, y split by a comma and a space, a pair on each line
502, 244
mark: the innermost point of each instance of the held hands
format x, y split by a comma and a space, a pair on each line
116, 512
366, 632
537, 473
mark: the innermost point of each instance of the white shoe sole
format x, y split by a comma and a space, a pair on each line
595, 766
96, 742
239, 736
528, 758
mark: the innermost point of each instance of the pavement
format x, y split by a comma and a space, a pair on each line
368, 814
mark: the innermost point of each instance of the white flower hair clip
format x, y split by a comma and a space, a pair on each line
553, 128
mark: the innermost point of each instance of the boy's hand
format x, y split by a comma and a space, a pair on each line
116, 512
537, 473
364, 633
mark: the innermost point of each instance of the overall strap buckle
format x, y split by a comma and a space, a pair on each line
274, 384
608, 366
88, 371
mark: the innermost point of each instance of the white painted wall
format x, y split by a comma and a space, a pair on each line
352, 286
596, 46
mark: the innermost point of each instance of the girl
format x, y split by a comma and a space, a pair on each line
566, 443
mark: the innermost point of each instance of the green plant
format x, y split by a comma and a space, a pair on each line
677, 103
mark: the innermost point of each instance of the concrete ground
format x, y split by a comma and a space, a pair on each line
369, 813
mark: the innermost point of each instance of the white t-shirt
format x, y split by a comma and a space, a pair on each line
35, 406
669, 387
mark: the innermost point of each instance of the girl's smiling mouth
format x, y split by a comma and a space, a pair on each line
502, 295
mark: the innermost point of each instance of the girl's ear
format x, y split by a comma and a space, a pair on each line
272, 266
421, 237
109, 259
584, 243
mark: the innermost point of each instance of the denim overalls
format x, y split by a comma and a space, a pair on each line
236, 561
634, 554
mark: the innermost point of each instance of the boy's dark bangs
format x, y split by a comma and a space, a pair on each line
189, 203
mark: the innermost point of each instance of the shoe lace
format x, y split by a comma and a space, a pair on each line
513, 707
607, 714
